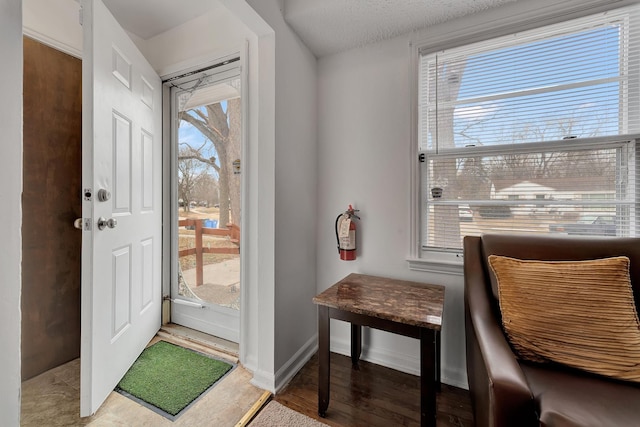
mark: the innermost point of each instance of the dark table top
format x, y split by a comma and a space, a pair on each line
411, 303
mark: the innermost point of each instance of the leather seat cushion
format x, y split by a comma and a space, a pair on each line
570, 399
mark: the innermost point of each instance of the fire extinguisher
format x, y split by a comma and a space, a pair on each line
346, 234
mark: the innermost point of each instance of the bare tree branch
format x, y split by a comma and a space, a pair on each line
211, 133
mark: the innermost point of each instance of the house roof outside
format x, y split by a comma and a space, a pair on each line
542, 185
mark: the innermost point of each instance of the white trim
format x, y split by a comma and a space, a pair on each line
574, 144
172, 224
244, 201
415, 198
167, 215
56, 44
436, 266
11, 170
264, 379
216, 320
409, 364
295, 363
262, 230
197, 63
501, 22
86, 292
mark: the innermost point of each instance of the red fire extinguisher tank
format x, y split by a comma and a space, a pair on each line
346, 234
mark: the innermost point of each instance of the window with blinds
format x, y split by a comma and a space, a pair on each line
532, 133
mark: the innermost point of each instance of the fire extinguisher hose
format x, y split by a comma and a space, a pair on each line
338, 237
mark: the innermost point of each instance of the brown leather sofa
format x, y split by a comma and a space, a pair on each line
511, 393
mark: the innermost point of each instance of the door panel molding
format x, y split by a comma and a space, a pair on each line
121, 261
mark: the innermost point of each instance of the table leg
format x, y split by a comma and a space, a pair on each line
438, 365
428, 347
323, 360
356, 344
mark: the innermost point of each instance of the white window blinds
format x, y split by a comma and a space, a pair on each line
534, 132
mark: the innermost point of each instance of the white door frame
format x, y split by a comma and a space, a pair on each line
190, 315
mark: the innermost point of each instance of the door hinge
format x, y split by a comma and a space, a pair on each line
421, 157
80, 16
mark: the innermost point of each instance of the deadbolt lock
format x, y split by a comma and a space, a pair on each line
103, 195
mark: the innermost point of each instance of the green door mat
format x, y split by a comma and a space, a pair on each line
170, 377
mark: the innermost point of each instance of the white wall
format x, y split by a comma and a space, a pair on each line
364, 159
11, 212
364, 155
295, 196
54, 23
213, 34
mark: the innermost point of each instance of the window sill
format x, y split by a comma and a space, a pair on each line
440, 266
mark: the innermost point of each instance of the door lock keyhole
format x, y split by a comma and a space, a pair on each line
103, 195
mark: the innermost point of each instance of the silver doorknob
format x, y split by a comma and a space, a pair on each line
103, 223
78, 223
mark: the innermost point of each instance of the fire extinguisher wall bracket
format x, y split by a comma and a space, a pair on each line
346, 234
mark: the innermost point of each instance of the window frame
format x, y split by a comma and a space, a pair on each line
450, 261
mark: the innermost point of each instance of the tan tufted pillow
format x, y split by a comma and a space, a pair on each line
578, 313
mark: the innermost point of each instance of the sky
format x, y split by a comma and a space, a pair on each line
549, 90
189, 135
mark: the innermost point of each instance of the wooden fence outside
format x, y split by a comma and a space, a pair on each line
232, 231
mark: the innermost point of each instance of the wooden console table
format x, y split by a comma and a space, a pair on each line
406, 308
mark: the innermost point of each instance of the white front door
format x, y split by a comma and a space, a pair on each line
122, 205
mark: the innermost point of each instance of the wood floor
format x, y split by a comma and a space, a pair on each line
373, 396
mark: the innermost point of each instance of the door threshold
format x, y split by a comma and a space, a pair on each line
228, 349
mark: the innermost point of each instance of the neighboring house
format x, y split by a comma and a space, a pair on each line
520, 190
553, 190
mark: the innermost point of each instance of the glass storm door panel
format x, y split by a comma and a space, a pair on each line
207, 117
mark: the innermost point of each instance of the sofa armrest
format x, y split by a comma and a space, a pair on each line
499, 389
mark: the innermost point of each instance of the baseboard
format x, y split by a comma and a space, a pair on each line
296, 362
275, 382
455, 378
264, 380
399, 361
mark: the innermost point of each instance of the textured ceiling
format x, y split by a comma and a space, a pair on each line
330, 26
325, 26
